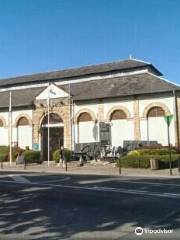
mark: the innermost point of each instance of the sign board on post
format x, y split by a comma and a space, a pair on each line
35, 146
168, 119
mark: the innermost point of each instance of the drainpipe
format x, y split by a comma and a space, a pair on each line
73, 126
176, 118
70, 115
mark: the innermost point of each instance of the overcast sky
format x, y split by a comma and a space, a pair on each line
46, 35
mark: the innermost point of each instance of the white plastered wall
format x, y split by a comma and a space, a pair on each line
124, 129
156, 128
24, 136
120, 129
86, 132
3, 136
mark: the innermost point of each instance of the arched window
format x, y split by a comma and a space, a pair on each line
54, 118
24, 132
118, 114
23, 121
1, 123
84, 117
156, 112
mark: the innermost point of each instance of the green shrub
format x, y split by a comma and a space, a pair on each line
4, 151
31, 156
135, 161
151, 151
56, 156
67, 153
3, 157
164, 161
143, 161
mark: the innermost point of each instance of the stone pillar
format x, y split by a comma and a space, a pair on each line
37, 115
100, 114
137, 131
66, 116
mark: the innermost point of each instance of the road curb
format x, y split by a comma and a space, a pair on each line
91, 173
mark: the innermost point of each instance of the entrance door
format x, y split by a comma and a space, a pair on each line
56, 140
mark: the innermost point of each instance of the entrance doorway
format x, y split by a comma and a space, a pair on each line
56, 132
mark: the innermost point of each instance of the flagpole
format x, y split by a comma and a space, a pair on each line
10, 128
48, 127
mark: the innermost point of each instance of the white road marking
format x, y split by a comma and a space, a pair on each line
98, 180
127, 181
104, 189
19, 178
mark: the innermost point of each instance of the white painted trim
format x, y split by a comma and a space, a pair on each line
164, 79
139, 60
59, 83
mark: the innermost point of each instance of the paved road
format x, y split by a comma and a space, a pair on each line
47, 206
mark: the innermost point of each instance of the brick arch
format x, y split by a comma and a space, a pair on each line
3, 121
25, 115
156, 104
122, 108
84, 110
43, 116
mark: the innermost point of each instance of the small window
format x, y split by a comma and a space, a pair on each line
84, 117
156, 112
23, 121
118, 114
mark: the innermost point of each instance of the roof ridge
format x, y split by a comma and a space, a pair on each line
73, 68
139, 60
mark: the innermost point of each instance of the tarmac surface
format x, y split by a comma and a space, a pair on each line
36, 205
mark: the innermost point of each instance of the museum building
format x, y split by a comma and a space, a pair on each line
130, 95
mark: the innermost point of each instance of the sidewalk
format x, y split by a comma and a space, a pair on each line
91, 169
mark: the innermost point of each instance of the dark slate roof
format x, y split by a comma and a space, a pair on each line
144, 83
119, 66
120, 86
20, 98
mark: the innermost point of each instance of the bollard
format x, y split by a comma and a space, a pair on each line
81, 162
66, 165
1, 164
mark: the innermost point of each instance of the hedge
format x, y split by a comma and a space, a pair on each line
152, 151
129, 161
56, 156
3, 157
4, 153
31, 156
67, 153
